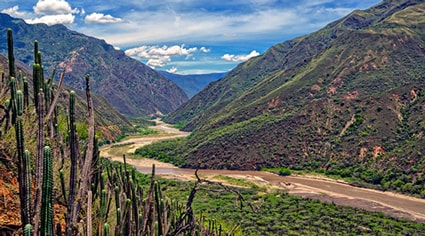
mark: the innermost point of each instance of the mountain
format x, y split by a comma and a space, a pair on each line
130, 86
109, 122
192, 84
345, 100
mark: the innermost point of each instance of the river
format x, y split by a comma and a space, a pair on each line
309, 186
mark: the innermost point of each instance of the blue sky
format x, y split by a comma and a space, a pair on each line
188, 36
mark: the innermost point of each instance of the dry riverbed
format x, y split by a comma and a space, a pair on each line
313, 187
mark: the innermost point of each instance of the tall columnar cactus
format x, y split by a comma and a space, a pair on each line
28, 185
12, 85
63, 187
86, 170
103, 202
36, 52
24, 168
26, 92
47, 199
73, 142
39, 161
36, 74
11, 57
19, 102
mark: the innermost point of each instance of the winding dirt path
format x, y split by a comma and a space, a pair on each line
312, 187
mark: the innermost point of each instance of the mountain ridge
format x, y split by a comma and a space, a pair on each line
344, 100
130, 86
109, 122
193, 83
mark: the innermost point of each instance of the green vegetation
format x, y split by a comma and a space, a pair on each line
277, 213
73, 157
346, 101
166, 151
283, 171
237, 182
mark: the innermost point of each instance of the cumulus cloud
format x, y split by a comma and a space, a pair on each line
53, 7
49, 12
160, 56
239, 58
53, 19
101, 18
14, 11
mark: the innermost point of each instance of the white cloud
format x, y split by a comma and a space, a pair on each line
49, 12
14, 11
160, 56
239, 58
204, 50
53, 19
52, 7
101, 18
172, 70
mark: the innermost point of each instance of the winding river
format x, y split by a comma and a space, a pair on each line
313, 187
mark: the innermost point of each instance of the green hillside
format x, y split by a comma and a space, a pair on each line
109, 122
345, 100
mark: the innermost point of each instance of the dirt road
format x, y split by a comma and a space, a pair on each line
306, 186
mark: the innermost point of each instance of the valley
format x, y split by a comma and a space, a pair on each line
121, 147
307, 186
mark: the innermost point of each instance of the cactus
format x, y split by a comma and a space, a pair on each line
117, 227
126, 216
117, 198
47, 200
89, 214
11, 57
21, 175
23, 156
19, 102
159, 211
28, 230
12, 104
73, 142
103, 200
28, 184
63, 187
106, 229
36, 74
36, 52
134, 205
26, 92
39, 161
47, 96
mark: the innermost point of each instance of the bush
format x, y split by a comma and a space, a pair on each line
285, 171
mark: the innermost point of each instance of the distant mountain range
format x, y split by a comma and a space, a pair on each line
130, 86
192, 84
347, 100
109, 122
